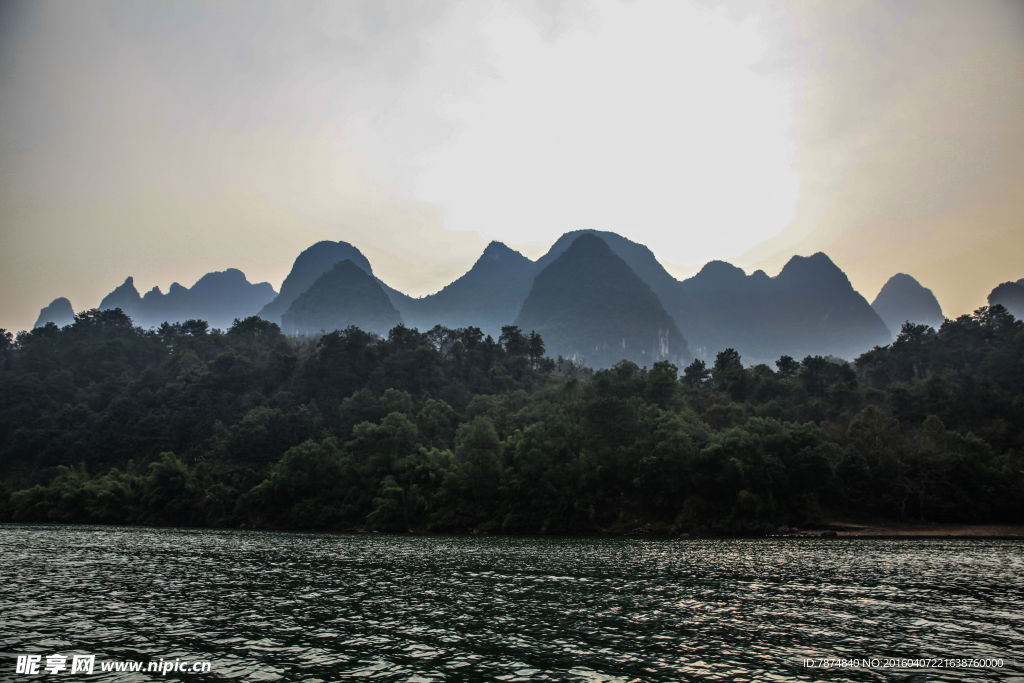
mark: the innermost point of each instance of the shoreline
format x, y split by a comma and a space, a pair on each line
833, 529
885, 529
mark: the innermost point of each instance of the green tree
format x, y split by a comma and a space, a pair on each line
662, 383
514, 341
477, 470
535, 348
389, 508
167, 492
788, 367
696, 374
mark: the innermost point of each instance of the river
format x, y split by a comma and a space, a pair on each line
267, 606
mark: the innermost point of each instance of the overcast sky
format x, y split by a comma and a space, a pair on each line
164, 140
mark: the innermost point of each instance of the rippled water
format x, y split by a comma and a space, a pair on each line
321, 607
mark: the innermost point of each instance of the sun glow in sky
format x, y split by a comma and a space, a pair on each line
165, 140
646, 119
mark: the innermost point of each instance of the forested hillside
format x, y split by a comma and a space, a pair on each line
450, 430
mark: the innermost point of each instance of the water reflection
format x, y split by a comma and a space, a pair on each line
318, 607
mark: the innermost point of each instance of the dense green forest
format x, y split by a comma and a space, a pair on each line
451, 430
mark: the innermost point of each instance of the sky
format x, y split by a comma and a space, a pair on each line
165, 140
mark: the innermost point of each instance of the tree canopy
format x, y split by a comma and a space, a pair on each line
450, 430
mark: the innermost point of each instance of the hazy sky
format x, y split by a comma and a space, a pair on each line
164, 140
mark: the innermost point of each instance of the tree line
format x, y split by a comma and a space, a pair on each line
450, 430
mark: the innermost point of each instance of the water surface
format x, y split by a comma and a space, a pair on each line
269, 606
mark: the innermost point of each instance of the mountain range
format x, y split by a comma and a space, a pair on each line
577, 303
218, 298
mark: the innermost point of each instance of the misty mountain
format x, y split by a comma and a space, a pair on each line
589, 303
809, 308
903, 299
643, 262
310, 265
218, 298
124, 296
58, 312
487, 296
728, 311
403, 303
1010, 295
818, 312
345, 295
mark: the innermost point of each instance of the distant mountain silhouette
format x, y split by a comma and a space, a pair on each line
345, 295
309, 265
820, 313
903, 299
1010, 295
729, 311
643, 262
488, 296
810, 308
218, 298
125, 297
403, 303
589, 303
58, 312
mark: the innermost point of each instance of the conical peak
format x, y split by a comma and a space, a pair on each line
348, 266
59, 312
605, 235
818, 261
717, 274
590, 301
325, 254
588, 244
563, 242
902, 299
497, 251
232, 276
898, 284
901, 282
343, 295
322, 245
815, 270
127, 286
